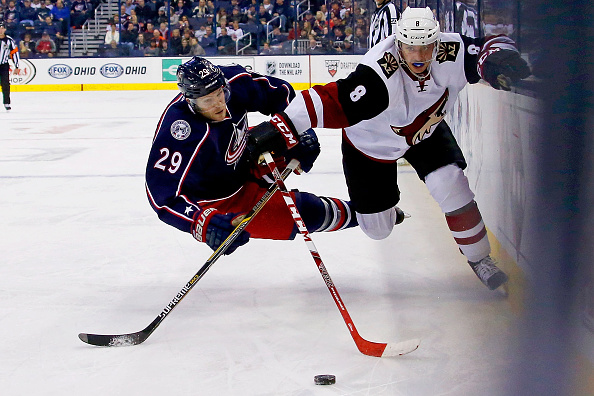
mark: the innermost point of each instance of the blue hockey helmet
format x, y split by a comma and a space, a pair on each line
199, 77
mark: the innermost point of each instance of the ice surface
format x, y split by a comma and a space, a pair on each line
82, 251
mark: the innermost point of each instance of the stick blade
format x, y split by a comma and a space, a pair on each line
401, 348
112, 340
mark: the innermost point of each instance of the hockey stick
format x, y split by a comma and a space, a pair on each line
139, 337
366, 347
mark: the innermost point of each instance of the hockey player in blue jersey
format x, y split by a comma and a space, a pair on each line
197, 178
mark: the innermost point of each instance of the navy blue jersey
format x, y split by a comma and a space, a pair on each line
194, 160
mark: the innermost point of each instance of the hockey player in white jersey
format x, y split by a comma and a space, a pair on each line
392, 106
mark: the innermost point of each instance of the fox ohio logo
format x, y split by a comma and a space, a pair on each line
180, 129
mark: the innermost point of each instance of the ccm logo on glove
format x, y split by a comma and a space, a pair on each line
280, 124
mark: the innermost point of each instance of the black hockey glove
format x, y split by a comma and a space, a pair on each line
503, 68
306, 151
212, 228
274, 136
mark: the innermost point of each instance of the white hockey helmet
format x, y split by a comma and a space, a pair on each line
417, 26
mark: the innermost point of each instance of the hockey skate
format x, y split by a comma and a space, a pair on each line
7, 107
488, 273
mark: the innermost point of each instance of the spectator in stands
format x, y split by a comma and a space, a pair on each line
360, 41
263, 15
26, 47
175, 40
152, 49
184, 23
43, 11
221, 14
267, 6
180, 9
314, 46
130, 5
144, 11
53, 30
282, 9
157, 38
141, 44
61, 15
185, 48
163, 29
27, 14
36, 4
112, 35
195, 48
11, 18
46, 48
199, 33
277, 37
225, 43
165, 49
235, 31
113, 50
148, 31
237, 15
252, 15
123, 18
128, 37
201, 10
209, 41
79, 12
162, 16
222, 24
266, 49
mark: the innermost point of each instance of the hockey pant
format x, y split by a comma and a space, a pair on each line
439, 162
274, 221
5, 82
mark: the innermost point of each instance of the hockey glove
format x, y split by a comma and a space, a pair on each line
274, 136
306, 151
212, 228
500, 64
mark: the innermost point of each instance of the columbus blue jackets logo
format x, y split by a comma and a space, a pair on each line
180, 129
238, 141
421, 126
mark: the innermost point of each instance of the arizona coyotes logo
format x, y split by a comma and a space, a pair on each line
389, 64
238, 141
421, 126
448, 51
332, 66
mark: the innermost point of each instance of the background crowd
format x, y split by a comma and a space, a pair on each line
186, 27
227, 27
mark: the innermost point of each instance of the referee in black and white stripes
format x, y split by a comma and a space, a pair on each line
383, 21
8, 49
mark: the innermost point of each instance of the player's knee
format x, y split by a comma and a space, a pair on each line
377, 225
449, 187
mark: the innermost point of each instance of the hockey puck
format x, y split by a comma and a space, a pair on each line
325, 379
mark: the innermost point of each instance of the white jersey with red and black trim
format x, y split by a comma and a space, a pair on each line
383, 108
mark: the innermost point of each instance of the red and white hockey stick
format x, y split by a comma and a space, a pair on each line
366, 347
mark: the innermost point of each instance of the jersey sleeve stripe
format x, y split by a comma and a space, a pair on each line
311, 111
159, 208
333, 116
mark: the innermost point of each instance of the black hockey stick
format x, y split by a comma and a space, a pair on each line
114, 340
366, 347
